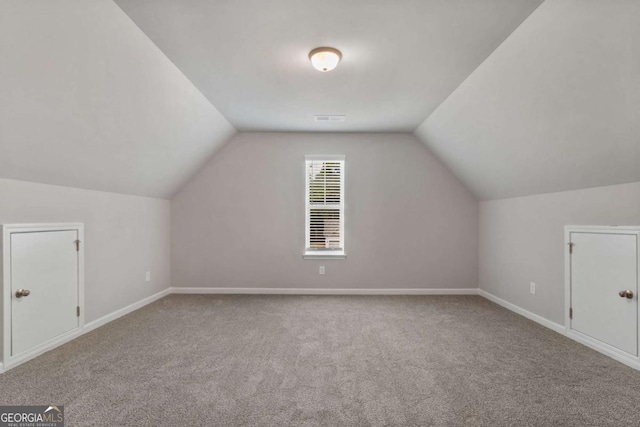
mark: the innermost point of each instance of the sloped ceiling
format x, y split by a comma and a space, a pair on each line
401, 58
555, 107
87, 100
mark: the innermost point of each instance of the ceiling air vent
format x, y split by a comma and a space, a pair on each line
327, 119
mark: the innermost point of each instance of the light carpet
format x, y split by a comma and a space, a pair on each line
255, 360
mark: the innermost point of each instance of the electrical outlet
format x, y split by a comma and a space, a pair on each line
321, 270
532, 288
147, 277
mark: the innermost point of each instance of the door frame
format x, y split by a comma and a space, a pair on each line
593, 343
7, 359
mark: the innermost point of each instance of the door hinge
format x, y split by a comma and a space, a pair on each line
571, 247
570, 313
78, 311
77, 242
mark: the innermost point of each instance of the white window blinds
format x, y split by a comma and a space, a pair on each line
324, 201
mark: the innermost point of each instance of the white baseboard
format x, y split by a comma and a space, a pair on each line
629, 360
58, 341
521, 311
612, 352
316, 291
595, 345
88, 327
13, 361
124, 311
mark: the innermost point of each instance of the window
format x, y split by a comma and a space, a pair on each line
324, 207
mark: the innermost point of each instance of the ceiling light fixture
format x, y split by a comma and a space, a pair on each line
325, 58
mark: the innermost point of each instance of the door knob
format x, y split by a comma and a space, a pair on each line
626, 294
22, 293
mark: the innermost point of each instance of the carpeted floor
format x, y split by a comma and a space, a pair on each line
190, 360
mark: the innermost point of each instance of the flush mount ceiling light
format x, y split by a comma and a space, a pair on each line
325, 58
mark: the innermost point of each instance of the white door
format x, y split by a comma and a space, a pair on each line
602, 266
46, 265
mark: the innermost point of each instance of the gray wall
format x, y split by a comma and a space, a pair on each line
240, 222
125, 236
522, 241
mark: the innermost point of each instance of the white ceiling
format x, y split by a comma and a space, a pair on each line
556, 107
88, 101
401, 58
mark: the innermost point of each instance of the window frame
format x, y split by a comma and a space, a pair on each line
308, 252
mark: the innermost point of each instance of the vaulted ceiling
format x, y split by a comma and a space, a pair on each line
401, 58
515, 97
556, 107
88, 101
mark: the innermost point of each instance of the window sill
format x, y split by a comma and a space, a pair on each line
324, 255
